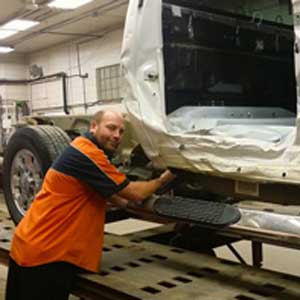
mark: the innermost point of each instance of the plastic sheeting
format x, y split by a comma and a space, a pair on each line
270, 221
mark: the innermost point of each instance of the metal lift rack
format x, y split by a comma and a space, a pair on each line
136, 269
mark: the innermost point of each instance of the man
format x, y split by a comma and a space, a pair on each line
64, 228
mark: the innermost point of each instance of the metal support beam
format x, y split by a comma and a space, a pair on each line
236, 254
257, 254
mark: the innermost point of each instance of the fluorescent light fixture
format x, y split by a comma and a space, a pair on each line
19, 25
68, 4
15, 26
6, 33
6, 49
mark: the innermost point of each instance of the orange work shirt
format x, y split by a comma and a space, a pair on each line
66, 220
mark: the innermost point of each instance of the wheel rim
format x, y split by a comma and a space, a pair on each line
26, 179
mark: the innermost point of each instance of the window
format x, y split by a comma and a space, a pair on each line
205, 43
109, 82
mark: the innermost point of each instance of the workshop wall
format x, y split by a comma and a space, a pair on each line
13, 67
74, 58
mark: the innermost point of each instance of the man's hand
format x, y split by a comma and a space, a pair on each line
166, 177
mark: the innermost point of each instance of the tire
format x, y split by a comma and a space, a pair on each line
28, 155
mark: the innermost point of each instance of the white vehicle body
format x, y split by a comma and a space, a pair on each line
245, 141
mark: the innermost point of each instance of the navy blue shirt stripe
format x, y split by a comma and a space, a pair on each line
74, 163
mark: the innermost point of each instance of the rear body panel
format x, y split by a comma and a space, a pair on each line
212, 86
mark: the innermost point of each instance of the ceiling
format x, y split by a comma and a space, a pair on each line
58, 26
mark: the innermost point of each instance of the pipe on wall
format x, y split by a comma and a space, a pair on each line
61, 75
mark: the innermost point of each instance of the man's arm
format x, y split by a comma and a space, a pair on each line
116, 200
140, 190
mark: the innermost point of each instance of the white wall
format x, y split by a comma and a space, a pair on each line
64, 58
13, 67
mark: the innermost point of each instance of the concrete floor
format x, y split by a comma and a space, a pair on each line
278, 259
275, 258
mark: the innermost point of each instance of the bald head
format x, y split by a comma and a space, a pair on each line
108, 129
98, 116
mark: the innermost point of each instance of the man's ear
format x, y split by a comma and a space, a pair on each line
93, 126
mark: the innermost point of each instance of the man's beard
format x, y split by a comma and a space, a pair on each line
109, 152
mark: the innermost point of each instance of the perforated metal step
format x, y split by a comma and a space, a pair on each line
197, 210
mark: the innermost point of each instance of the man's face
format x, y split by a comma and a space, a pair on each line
109, 131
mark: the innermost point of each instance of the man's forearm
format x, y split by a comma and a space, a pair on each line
140, 190
118, 201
